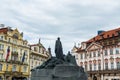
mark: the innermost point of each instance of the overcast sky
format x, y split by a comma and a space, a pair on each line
73, 21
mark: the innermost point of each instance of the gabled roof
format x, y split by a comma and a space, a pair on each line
96, 46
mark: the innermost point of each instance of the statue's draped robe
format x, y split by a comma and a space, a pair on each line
58, 50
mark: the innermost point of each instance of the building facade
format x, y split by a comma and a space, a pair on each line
38, 54
100, 56
14, 55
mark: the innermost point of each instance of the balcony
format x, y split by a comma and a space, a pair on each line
15, 61
14, 53
113, 71
13, 73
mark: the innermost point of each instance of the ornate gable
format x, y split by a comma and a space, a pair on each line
74, 49
93, 46
16, 34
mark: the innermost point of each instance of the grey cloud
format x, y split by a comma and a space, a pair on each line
72, 20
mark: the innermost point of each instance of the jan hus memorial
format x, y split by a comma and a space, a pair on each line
61, 67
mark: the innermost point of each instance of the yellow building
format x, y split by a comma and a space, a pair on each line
16, 66
38, 54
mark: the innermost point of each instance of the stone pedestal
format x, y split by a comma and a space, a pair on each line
60, 72
42, 74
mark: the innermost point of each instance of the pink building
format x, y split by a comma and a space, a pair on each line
100, 56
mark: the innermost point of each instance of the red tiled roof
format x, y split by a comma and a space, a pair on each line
106, 34
3, 30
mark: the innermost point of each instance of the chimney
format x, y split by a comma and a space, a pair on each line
100, 31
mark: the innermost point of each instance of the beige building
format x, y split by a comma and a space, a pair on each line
100, 56
38, 54
14, 55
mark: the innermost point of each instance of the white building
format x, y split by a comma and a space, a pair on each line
100, 56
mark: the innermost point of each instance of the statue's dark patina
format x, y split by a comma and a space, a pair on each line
58, 49
61, 67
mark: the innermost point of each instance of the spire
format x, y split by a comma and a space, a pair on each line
75, 44
49, 50
39, 41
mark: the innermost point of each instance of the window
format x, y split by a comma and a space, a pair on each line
90, 67
85, 55
14, 41
0, 67
1, 46
112, 65
117, 50
35, 49
98, 53
118, 65
111, 51
76, 56
94, 66
99, 66
26, 52
90, 55
14, 68
106, 66
25, 69
15, 58
106, 53
81, 56
1, 37
32, 62
14, 49
7, 67
25, 59
1, 56
86, 67
36, 63
9, 39
94, 54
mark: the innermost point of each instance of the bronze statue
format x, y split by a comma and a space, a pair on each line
61, 67
58, 49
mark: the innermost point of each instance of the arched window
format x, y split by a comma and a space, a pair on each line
15, 36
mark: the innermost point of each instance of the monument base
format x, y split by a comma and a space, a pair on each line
64, 71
